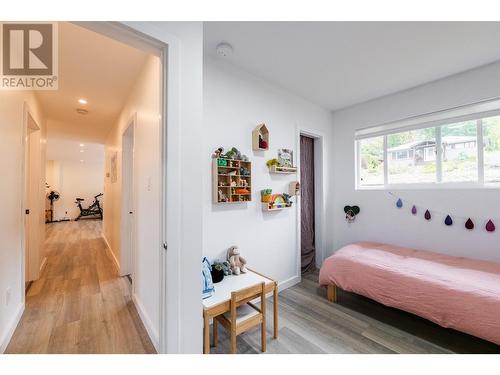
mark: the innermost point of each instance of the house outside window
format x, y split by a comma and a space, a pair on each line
447, 152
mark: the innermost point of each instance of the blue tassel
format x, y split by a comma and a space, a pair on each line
399, 203
448, 221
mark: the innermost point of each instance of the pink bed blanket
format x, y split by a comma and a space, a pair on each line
453, 292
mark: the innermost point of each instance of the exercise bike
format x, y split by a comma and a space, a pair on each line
93, 210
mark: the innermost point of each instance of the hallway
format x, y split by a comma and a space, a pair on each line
79, 304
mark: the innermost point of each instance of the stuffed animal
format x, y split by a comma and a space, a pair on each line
236, 261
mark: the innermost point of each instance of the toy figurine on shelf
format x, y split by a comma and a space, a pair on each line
266, 195
233, 154
244, 171
262, 143
222, 197
272, 163
217, 153
288, 201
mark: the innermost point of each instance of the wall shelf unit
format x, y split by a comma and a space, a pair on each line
270, 207
232, 182
260, 138
282, 170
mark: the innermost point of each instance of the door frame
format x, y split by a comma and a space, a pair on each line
26, 145
167, 48
127, 258
319, 196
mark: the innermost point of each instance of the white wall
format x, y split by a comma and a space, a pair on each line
234, 103
74, 179
11, 215
379, 219
182, 331
143, 102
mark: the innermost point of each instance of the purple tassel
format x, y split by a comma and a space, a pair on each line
427, 215
469, 224
490, 227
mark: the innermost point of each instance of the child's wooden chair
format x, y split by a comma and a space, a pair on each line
244, 314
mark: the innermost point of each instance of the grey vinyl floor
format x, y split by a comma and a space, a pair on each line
309, 324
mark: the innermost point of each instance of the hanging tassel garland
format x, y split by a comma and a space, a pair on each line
469, 224
448, 221
490, 227
427, 215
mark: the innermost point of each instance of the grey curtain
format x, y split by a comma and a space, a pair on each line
308, 250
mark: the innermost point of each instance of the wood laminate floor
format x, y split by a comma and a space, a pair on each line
79, 304
311, 324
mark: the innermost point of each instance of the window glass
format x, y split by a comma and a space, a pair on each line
459, 152
371, 163
412, 156
491, 141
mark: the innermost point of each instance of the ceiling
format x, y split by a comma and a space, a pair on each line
96, 68
70, 150
338, 64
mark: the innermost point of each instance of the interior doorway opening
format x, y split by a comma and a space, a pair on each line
108, 76
311, 214
307, 205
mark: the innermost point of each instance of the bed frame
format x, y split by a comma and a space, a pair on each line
331, 293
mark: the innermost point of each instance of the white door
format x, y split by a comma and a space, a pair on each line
32, 200
128, 206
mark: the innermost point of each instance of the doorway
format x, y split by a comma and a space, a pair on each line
92, 145
307, 205
128, 228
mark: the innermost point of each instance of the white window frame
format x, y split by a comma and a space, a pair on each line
477, 111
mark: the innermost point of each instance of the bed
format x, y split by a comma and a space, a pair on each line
454, 292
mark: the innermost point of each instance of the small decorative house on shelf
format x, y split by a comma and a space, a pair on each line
260, 138
274, 202
232, 180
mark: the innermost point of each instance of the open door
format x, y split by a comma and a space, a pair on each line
127, 249
32, 200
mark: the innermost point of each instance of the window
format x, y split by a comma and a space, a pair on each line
416, 156
463, 151
371, 169
459, 152
491, 144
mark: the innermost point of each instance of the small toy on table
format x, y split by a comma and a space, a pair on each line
236, 261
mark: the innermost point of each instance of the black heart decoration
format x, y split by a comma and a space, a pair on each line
354, 209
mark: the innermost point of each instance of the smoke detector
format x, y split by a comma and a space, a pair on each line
224, 49
82, 111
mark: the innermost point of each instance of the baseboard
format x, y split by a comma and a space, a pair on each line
111, 254
288, 283
152, 332
4, 342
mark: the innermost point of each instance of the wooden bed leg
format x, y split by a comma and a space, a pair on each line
332, 293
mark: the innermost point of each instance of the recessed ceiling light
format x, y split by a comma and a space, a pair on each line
81, 161
82, 111
82, 101
81, 145
81, 150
